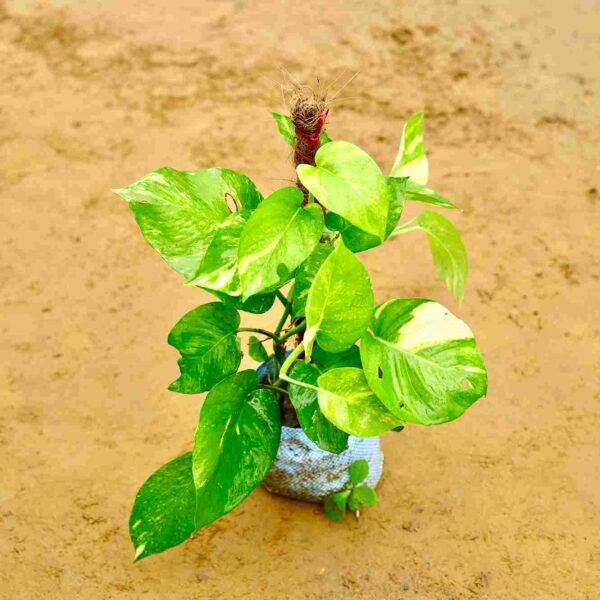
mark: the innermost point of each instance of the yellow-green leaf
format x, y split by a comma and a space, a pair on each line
179, 211
411, 160
279, 235
422, 361
340, 302
348, 182
347, 401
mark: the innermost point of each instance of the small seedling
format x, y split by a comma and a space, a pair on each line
354, 496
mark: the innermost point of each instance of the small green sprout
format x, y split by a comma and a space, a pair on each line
354, 496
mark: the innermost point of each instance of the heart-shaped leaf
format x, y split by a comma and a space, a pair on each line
347, 401
164, 509
358, 240
306, 403
219, 268
305, 275
447, 248
277, 238
340, 302
235, 445
411, 160
348, 182
210, 349
422, 361
179, 211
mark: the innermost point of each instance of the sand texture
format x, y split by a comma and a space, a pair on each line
501, 504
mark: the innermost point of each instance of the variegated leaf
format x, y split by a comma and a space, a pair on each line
218, 270
179, 211
419, 193
347, 401
340, 302
358, 240
277, 238
347, 181
422, 361
411, 160
207, 339
447, 248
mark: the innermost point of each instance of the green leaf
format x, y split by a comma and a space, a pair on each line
321, 431
328, 360
348, 182
359, 471
419, 193
287, 129
411, 160
257, 305
362, 497
347, 401
357, 240
447, 248
210, 349
340, 302
277, 238
335, 505
324, 138
257, 350
235, 445
399, 428
219, 267
305, 275
448, 251
397, 188
179, 211
422, 361
163, 512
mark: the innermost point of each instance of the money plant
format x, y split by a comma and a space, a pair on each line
340, 364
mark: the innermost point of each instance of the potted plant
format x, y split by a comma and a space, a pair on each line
337, 366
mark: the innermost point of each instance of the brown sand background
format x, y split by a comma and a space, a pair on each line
503, 503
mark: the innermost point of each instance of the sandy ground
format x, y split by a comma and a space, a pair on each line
504, 503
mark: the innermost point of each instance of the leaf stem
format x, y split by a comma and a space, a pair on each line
400, 231
293, 331
282, 298
284, 316
270, 334
274, 387
406, 227
286, 313
289, 361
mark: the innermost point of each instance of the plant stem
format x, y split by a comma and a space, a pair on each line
406, 227
293, 331
278, 346
270, 334
284, 316
400, 231
289, 361
282, 298
274, 387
